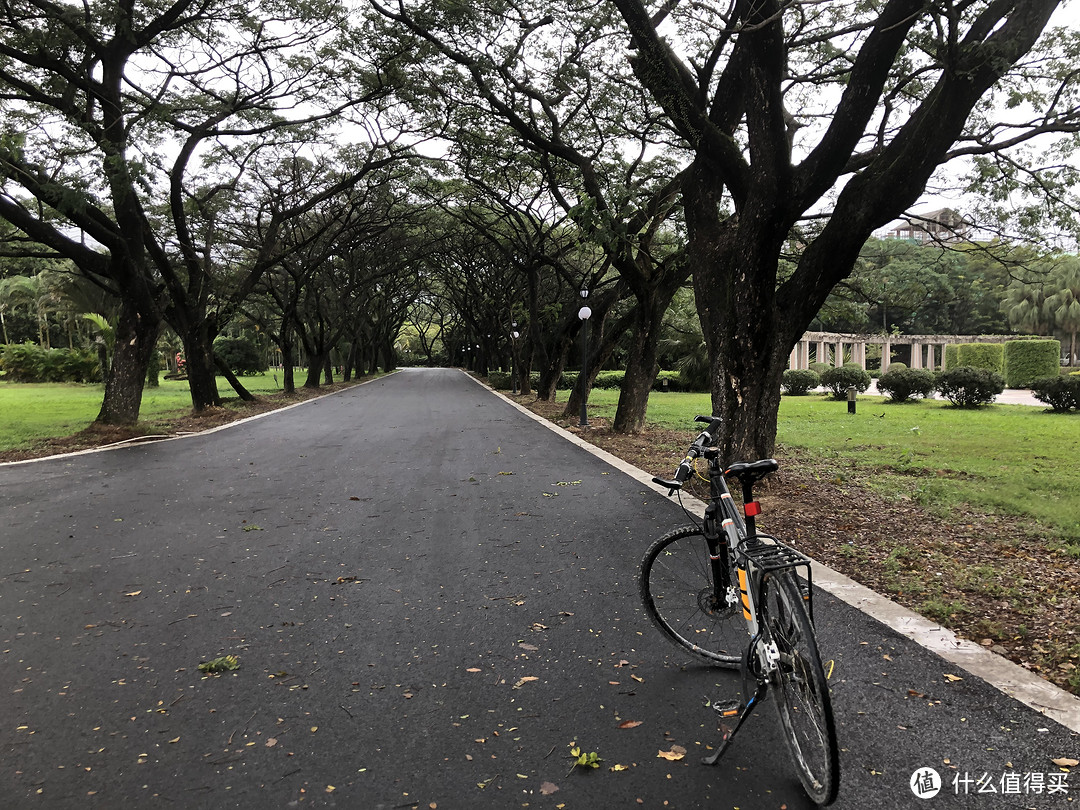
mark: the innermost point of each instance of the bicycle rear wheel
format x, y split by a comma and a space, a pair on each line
802, 690
676, 585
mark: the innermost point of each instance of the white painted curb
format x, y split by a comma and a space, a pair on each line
1015, 681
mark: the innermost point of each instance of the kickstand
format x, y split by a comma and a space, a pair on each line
733, 709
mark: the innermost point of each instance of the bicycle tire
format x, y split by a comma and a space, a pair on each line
675, 582
802, 690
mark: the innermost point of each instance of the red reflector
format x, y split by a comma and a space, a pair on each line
752, 509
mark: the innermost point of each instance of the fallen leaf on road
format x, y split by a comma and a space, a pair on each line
547, 788
1066, 762
676, 753
525, 680
952, 678
630, 723
133, 593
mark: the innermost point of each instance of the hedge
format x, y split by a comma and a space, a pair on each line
975, 355
1030, 360
611, 380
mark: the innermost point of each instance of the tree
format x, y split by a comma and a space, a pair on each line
112, 108
520, 74
792, 108
809, 123
1062, 302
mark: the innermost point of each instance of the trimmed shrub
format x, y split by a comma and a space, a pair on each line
968, 387
990, 356
950, 358
820, 368
838, 380
897, 367
798, 382
1030, 360
902, 384
240, 354
1060, 393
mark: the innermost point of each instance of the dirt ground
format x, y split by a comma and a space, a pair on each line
989, 578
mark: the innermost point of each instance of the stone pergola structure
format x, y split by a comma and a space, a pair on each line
927, 351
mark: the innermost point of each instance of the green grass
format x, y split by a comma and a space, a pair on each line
30, 412
1002, 459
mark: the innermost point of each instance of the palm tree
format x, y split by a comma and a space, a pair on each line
15, 291
1062, 304
1023, 306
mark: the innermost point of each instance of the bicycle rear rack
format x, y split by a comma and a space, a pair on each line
769, 557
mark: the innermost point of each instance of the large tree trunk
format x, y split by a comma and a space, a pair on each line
136, 338
641, 366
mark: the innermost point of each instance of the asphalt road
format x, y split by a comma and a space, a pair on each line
431, 596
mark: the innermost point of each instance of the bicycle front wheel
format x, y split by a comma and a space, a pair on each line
680, 598
802, 690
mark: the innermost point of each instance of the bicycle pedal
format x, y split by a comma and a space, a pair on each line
728, 709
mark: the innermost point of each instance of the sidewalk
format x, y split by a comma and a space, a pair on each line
1010, 396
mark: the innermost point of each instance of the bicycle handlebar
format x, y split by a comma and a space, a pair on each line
704, 439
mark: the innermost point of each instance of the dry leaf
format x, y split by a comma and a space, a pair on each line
630, 723
619, 768
1066, 762
676, 753
525, 680
547, 788
271, 742
473, 669
133, 593
952, 678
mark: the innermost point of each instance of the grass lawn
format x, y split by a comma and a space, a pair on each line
33, 411
1006, 459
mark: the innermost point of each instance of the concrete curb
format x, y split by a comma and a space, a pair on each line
1009, 678
153, 439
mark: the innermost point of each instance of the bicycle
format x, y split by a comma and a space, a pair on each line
707, 585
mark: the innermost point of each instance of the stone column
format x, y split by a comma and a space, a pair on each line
916, 354
886, 350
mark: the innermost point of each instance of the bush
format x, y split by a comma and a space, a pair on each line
968, 387
820, 368
1060, 393
901, 384
897, 366
838, 380
799, 382
240, 354
1029, 360
30, 363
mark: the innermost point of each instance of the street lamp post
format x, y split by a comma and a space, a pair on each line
514, 335
584, 314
